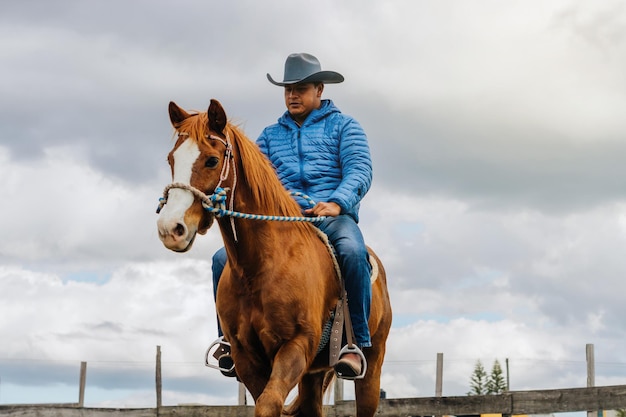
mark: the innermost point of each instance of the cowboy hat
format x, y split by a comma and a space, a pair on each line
305, 68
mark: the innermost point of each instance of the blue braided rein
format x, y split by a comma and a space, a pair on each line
216, 203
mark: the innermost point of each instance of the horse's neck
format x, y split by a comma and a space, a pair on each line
249, 244
246, 237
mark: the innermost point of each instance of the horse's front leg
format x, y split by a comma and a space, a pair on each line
252, 370
290, 364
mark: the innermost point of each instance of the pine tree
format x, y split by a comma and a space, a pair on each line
496, 383
477, 381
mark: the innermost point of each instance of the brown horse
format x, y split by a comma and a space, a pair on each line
280, 285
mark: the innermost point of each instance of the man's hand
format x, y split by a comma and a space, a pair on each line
325, 209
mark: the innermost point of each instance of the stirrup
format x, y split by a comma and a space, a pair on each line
354, 349
207, 362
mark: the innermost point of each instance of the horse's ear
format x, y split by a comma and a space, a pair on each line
177, 115
217, 116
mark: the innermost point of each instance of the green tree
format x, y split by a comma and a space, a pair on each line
478, 380
496, 383
621, 412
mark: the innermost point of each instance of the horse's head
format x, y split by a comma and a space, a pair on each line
198, 159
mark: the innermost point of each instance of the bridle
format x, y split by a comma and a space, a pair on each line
216, 202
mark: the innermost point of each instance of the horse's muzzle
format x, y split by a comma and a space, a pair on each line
175, 235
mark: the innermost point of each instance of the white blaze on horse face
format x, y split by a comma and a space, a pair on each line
184, 158
178, 200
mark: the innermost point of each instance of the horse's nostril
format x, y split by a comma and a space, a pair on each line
179, 230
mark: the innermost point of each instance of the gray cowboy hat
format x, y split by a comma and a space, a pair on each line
305, 68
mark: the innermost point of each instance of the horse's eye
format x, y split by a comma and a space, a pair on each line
211, 162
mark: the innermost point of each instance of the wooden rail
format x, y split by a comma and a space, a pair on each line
510, 403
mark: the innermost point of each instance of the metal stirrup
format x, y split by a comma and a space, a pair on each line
355, 349
351, 347
220, 341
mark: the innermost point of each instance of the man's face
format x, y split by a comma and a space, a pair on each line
302, 98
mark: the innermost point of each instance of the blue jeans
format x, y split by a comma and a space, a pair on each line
345, 236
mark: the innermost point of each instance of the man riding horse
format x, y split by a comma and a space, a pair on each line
319, 151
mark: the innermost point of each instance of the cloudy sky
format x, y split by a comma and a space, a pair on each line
498, 136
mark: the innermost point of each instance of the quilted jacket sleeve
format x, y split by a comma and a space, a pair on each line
356, 165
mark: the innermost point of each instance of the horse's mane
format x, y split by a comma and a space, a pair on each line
258, 172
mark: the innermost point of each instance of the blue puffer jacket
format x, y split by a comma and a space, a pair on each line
328, 158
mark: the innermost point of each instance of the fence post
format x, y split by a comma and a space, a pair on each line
508, 383
159, 385
242, 394
338, 390
81, 388
439, 376
591, 374
508, 380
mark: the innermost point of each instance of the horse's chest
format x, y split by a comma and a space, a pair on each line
268, 326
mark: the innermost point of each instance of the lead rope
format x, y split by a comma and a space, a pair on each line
215, 203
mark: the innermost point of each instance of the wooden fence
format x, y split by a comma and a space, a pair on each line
510, 403
590, 399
